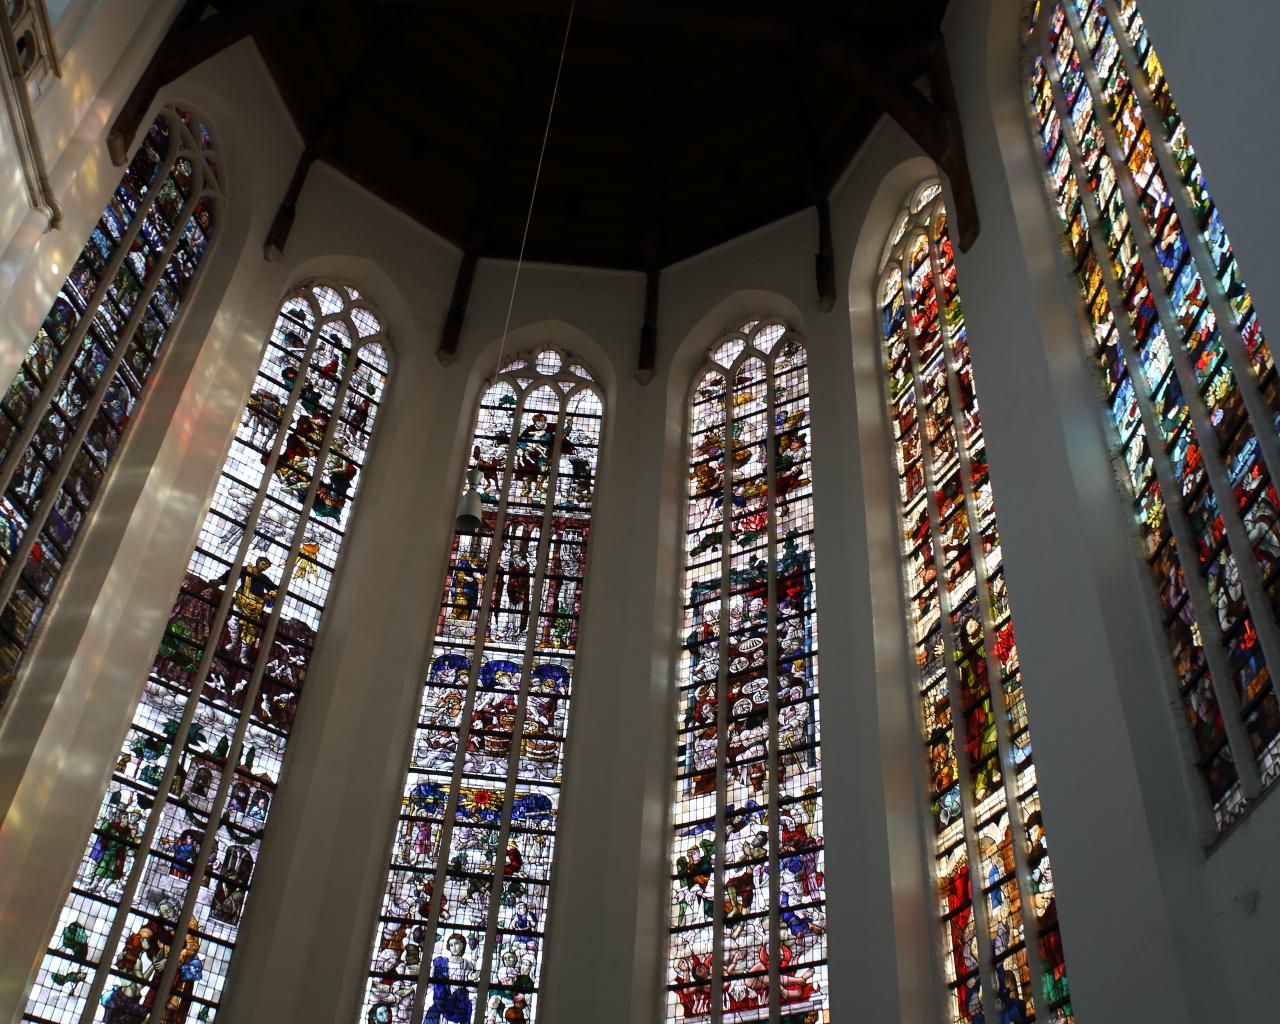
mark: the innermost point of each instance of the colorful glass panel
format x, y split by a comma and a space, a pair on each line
71, 401
988, 834
1189, 384
747, 909
461, 932
155, 907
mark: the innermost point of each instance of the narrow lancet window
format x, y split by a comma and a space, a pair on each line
996, 910
461, 934
156, 904
70, 403
747, 910
1189, 383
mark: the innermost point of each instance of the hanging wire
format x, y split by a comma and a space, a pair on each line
546, 132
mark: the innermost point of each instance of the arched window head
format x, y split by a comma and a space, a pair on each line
71, 401
997, 914
461, 932
1188, 380
157, 900
748, 905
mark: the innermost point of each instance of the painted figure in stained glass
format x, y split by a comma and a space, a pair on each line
748, 790
70, 402
473, 851
982, 786
189, 799
1182, 358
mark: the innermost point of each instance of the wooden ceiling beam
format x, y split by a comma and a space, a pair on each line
192, 39
933, 122
647, 361
451, 332
691, 18
282, 223
320, 146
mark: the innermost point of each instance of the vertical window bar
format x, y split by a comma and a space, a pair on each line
491, 738
1018, 772
507, 481
181, 737
185, 918
801, 957
515, 755
51, 441
980, 943
1103, 235
1242, 335
724, 636
71, 346
983, 802
172, 962
767, 962
1249, 572
774, 781
1229, 775
692, 954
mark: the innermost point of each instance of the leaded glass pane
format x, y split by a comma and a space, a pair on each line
747, 911
72, 399
987, 844
1189, 385
154, 910
466, 894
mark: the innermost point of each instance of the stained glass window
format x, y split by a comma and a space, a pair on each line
70, 403
988, 834
462, 929
155, 908
747, 909
1188, 380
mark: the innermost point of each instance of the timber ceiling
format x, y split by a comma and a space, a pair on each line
679, 125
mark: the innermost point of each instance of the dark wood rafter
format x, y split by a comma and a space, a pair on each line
648, 361
480, 215
953, 160
932, 122
650, 138
768, 25
321, 144
658, 100
824, 260
451, 332
282, 223
194, 36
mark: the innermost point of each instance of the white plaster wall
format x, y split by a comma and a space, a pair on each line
1221, 65
104, 48
70, 712
1138, 900
1149, 926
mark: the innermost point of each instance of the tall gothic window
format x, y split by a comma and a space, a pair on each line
461, 933
747, 910
70, 403
155, 908
1189, 381
988, 834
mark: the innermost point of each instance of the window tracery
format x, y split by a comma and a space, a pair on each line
1190, 384
748, 914
1000, 961
157, 901
71, 400
462, 927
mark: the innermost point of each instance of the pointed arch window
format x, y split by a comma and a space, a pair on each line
997, 912
158, 897
70, 402
748, 911
461, 933
1188, 378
